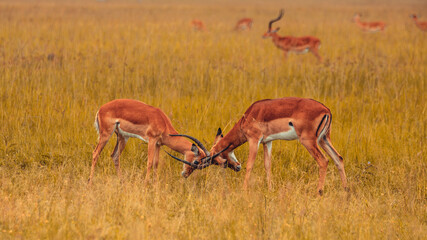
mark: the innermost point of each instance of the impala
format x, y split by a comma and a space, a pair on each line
244, 24
368, 26
289, 118
293, 44
420, 25
134, 119
198, 25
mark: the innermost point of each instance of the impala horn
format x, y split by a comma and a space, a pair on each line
183, 161
276, 19
195, 140
207, 161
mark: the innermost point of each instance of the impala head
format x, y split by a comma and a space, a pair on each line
225, 157
271, 32
194, 156
356, 17
198, 158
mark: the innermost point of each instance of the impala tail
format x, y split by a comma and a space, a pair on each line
96, 123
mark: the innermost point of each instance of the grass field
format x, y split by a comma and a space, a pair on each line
60, 61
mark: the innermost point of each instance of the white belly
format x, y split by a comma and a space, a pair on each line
130, 135
288, 135
300, 51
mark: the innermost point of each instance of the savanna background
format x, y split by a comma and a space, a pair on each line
61, 60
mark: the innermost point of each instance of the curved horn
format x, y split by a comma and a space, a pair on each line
276, 19
195, 140
216, 155
208, 160
183, 161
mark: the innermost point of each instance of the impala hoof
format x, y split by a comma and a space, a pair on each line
238, 168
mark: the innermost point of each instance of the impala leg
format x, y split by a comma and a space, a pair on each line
120, 145
151, 153
103, 139
321, 160
326, 144
285, 54
156, 159
267, 162
315, 51
253, 149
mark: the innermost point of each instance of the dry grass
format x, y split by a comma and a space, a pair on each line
375, 85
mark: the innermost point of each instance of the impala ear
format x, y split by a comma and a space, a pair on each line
218, 136
275, 30
219, 132
195, 149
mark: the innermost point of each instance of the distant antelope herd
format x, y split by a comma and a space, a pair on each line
263, 122
305, 44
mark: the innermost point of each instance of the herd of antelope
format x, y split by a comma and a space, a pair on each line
303, 44
263, 122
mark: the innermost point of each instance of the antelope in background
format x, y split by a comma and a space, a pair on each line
289, 118
419, 24
198, 25
134, 119
368, 26
293, 44
244, 24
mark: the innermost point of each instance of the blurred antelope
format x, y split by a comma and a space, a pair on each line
368, 26
289, 118
419, 24
198, 25
244, 24
293, 44
134, 119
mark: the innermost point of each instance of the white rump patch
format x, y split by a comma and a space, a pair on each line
288, 135
324, 130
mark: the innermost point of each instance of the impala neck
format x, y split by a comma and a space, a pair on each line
178, 144
235, 137
358, 22
275, 38
416, 21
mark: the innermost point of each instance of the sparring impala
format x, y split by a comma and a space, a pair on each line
293, 44
419, 24
244, 24
289, 118
198, 25
134, 119
368, 26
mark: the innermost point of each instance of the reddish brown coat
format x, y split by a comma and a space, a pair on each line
130, 118
289, 118
369, 26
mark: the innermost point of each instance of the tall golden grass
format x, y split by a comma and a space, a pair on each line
60, 61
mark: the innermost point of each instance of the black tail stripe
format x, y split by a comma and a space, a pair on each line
321, 122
